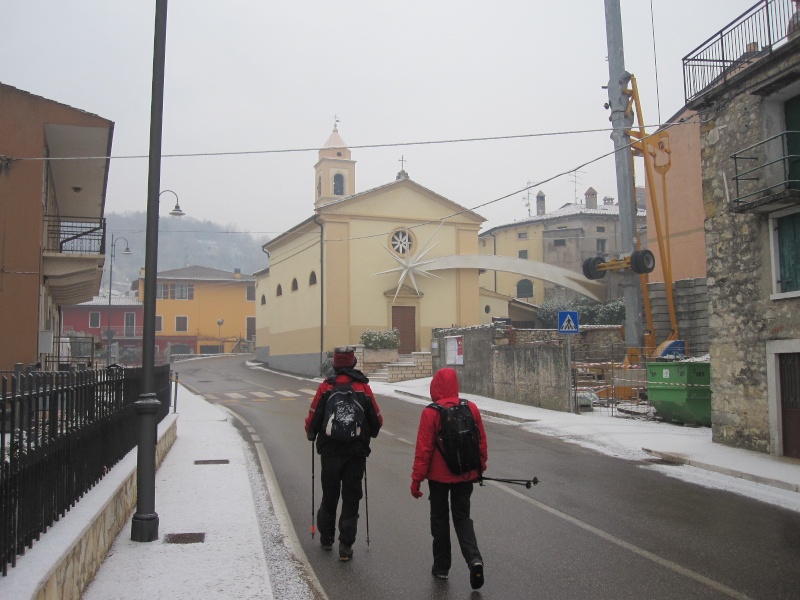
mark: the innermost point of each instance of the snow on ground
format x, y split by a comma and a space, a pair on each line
626, 437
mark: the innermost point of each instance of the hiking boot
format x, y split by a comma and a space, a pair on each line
476, 574
345, 552
327, 542
439, 573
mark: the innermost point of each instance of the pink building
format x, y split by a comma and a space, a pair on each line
93, 319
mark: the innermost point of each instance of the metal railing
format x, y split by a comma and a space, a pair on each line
766, 169
60, 433
75, 235
747, 39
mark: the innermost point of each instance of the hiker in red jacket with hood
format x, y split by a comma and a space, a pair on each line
448, 491
343, 462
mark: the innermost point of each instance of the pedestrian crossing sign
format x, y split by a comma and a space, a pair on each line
568, 321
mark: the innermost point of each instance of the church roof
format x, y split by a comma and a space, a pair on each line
404, 181
335, 140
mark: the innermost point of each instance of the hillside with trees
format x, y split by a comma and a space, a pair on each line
182, 242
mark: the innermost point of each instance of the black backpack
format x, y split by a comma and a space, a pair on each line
344, 416
458, 438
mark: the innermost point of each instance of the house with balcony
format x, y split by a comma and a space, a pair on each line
53, 171
114, 329
200, 310
744, 82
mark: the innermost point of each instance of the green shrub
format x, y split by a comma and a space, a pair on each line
381, 340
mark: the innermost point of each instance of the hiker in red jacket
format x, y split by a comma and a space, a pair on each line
343, 462
448, 490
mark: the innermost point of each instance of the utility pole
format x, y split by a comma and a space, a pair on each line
622, 121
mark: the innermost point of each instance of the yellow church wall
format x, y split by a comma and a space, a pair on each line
294, 310
491, 305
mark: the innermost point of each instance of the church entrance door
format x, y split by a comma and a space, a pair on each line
404, 320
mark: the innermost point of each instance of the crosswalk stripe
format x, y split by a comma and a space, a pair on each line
310, 392
235, 395
287, 394
261, 394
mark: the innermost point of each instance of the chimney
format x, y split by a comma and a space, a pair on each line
540, 203
591, 198
237, 273
608, 201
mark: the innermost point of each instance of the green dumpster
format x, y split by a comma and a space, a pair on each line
681, 391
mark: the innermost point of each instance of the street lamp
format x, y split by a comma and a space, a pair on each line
175, 212
110, 332
144, 525
219, 332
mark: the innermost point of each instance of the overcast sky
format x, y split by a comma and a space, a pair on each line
253, 75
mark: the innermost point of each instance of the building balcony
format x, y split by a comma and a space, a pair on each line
755, 34
767, 175
73, 257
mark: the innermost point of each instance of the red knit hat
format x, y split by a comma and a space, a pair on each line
344, 357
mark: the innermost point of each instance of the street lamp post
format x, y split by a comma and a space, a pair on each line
110, 332
144, 525
219, 333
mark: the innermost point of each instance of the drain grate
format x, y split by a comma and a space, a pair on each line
184, 538
213, 461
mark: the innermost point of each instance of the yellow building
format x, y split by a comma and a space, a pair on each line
365, 261
200, 310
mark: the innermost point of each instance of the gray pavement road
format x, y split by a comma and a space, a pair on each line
596, 527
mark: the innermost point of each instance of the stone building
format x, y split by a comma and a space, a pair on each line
750, 142
564, 238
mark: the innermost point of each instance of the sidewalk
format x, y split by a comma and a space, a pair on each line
246, 551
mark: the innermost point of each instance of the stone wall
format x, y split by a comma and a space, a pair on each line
523, 366
420, 366
74, 568
742, 317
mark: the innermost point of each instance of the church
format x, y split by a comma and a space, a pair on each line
383, 258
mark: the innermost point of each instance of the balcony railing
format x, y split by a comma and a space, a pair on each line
767, 174
747, 39
75, 235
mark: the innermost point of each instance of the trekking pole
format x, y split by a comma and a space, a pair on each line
526, 482
313, 528
366, 498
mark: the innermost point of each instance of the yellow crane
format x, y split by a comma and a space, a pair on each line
655, 151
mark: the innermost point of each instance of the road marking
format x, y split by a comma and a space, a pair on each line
720, 587
266, 387
287, 394
211, 397
235, 395
405, 441
309, 392
261, 395
386, 431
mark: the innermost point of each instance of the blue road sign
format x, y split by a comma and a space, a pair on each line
568, 321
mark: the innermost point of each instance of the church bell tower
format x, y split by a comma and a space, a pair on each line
335, 172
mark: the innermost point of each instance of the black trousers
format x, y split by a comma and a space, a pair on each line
458, 495
341, 474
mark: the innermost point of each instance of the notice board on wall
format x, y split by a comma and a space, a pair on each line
454, 350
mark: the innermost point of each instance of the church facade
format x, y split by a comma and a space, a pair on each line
364, 261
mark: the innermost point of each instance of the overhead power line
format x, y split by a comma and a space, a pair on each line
353, 147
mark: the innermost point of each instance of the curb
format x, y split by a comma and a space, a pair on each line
678, 459
484, 412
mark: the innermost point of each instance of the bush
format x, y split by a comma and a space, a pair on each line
381, 340
591, 313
